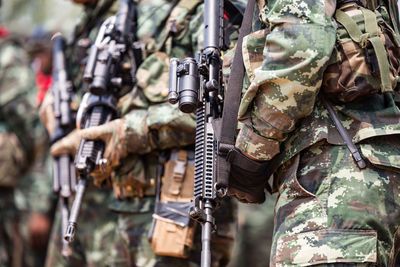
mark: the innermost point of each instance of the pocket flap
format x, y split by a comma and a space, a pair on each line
327, 246
384, 152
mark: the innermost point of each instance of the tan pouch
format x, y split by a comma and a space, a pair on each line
174, 231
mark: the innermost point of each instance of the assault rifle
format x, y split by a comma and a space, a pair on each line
108, 77
64, 180
197, 84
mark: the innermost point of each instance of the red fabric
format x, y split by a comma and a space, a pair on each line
3, 32
226, 15
43, 83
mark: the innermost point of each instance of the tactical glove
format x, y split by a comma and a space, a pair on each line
119, 140
247, 179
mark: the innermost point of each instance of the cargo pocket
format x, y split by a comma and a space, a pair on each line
304, 234
294, 198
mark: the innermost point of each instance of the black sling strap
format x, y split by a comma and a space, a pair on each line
228, 123
235, 82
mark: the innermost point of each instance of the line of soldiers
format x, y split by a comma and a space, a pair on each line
113, 227
329, 211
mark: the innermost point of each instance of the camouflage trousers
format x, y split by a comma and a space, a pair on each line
94, 236
132, 248
254, 237
331, 213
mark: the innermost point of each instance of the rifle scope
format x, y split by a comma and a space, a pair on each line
184, 84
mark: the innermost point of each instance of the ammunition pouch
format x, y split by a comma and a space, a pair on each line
174, 230
133, 178
365, 59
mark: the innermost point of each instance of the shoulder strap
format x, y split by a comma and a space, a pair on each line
371, 35
228, 124
235, 82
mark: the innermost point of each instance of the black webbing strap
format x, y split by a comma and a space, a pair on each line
344, 134
228, 122
235, 82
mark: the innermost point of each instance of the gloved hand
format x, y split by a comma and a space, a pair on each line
247, 179
119, 139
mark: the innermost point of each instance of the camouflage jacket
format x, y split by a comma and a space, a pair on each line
19, 122
166, 29
280, 110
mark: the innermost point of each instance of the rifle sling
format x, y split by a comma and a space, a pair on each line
235, 82
227, 125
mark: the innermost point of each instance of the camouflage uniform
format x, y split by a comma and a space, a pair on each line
328, 210
254, 236
96, 224
20, 141
167, 29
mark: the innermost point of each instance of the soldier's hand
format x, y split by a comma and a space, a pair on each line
113, 134
67, 145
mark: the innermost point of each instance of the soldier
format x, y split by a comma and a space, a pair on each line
97, 226
21, 140
150, 124
332, 209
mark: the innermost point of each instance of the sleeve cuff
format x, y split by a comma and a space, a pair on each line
256, 146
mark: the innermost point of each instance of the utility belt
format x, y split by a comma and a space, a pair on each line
172, 231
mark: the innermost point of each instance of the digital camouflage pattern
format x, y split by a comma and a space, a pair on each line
331, 211
284, 83
328, 210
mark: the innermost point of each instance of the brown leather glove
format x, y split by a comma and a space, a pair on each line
119, 140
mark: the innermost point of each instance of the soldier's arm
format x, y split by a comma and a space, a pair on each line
284, 85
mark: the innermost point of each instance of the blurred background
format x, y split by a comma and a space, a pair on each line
23, 16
